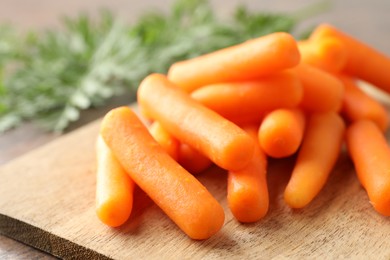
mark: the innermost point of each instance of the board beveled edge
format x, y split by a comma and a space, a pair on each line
45, 241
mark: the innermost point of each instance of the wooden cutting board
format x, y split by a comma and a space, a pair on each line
47, 201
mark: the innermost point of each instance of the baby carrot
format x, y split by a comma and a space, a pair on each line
318, 154
281, 132
245, 99
246, 61
165, 139
247, 191
192, 160
329, 54
322, 92
363, 61
358, 105
247, 120
114, 188
370, 153
179, 194
223, 142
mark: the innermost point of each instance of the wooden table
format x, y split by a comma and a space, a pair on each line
365, 20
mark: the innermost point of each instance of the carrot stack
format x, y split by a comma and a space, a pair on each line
178, 193
363, 61
247, 190
223, 142
267, 97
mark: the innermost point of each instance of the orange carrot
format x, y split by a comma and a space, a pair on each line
179, 194
281, 132
223, 142
247, 191
322, 92
329, 54
254, 119
114, 188
246, 61
165, 139
363, 61
370, 153
192, 160
235, 100
316, 158
358, 105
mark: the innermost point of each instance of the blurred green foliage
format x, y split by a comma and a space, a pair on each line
50, 76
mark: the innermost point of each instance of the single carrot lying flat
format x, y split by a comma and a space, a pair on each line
247, 190
316, 158
192, 160
179, 194
322, 92
281, 132
165, 139
358, 105
329, 54
235, 100
370, 153
363, 61
226, 144
114, 188
247, 61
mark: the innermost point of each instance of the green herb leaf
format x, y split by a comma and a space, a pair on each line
49, 77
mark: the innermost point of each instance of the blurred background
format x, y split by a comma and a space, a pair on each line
368, 21
360, 18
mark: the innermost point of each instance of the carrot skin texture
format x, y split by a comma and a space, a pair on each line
248, 99
114, 188
226, 144
247, 61
329, 54
179, 194
316, 158
359, 105
165, 139
363, 61
370, 153
322, 92
192, 160
247, 120
247, 190
281, 132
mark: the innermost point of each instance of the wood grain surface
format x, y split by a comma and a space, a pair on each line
368, 21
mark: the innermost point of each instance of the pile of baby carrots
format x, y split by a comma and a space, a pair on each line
268, 97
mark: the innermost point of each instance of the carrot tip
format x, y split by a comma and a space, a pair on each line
113, 213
